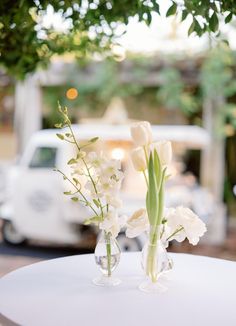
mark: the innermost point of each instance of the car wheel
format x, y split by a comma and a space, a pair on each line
127, 244
11, 235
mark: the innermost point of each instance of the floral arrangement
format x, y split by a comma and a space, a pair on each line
153, 160
96, 181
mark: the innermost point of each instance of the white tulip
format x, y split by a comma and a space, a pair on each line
138, 159
141, 132
183, 217
164, 151
137, 224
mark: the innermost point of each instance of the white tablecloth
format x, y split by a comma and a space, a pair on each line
59, 292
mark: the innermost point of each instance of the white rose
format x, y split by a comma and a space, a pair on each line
141, 132
182, 217
164, 151
137, 223
138, 159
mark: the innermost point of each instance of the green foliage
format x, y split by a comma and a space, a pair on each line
217, 72
217, 78
206, 14
172, 93
26, 44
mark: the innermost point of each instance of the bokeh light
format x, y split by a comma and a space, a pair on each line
72, 93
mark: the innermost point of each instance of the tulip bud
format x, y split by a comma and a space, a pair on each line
141, 132
164, 151
138, 159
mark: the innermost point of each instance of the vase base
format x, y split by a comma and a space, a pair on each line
106, 281
152, 287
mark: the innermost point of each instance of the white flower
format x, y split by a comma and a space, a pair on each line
138, 159
90, 187
164, 151
95, 160
113, 201
112, 223
111, 167
77, 169
81, 154
107, 185
141, 132
137, 224
182, 217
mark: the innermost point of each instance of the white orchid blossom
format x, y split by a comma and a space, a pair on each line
112, 223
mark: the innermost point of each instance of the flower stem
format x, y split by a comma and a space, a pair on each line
79, 191
174, 233
108, 249
145, 177
85, 164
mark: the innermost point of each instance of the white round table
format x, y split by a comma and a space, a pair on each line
59, 292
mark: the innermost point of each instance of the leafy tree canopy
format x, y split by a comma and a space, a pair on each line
91, 25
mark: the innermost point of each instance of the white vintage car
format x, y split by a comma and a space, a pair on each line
34, 205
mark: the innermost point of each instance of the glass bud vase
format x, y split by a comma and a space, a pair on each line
107, 257
155, 262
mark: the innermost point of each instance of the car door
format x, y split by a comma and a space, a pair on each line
38, 196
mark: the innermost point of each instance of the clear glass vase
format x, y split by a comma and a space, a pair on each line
155, 262
107, 257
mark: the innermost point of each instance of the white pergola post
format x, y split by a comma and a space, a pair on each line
28, 110
213, 156
213, 166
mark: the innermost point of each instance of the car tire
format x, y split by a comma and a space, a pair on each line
10, 234
128, 244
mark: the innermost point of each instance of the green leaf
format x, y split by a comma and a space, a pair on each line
68, 135
152, 193
156, 7
76, 181
67, 192
58, 125
93, 140
214, 22
172, 10
228, 18
191, 28
157, 168
198, 28
184, 14
60, 136
149, 18
75, 199
72, 161
161, 199
96, 202
95, 219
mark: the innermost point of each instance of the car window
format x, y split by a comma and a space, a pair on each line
44, 157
